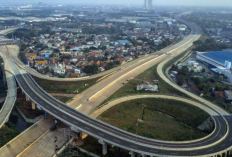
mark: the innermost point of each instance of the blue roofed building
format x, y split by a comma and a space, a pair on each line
218, 61
216, 58
123, 42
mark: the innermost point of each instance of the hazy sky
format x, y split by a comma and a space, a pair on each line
155, 2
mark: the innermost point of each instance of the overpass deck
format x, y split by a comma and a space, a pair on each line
11, 91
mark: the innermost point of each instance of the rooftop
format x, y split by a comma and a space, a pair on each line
219, 56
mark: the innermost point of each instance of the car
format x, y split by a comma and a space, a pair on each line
53, 128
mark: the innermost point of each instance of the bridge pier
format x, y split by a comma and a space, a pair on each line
81, 134
104, 146
132, 154
33, 105
27, 98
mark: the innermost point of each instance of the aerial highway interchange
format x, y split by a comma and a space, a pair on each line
217, 143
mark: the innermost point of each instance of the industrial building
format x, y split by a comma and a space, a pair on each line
218, 61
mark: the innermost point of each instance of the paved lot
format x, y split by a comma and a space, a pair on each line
45, 147
22, 141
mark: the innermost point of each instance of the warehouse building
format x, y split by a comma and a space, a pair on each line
218, 61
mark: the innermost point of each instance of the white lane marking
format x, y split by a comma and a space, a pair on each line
100, 134
87, 128
223, 145
230, 139
75, 122
193, 153
134, 146
116, 140
154, 151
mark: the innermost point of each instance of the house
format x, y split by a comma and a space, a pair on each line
122, 42
148, 87
40, 61
78, 71
30, 56
91, 62
220, 96
228, 94
196, 90
74, 75
121, 59
59, 69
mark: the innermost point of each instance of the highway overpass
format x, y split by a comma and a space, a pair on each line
11, 91
217, 143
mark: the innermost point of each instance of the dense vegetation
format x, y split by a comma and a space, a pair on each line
209, 45
7, 133
24, 33
65, 87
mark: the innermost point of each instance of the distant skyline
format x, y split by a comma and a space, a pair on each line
135, 2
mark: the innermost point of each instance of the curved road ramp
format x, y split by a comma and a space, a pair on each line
11, 94
10, 99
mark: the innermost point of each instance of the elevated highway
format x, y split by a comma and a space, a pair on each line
11, 91
217, 143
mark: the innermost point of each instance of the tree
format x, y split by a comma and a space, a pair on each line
107, 54
91, 69
184, 71
198, 81
67, 48
46, 70
56, 50
86, 50
179, 82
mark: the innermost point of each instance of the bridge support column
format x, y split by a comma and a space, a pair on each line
132, 154
82, 135
33, 105
27, 98
104, 147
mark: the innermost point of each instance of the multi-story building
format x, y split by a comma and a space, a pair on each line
147, 4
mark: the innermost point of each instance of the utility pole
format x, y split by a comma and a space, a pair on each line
143, 107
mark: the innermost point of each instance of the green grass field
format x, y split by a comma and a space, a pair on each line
65, 87
163, 119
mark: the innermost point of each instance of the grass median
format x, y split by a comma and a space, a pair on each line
65, 87
161, 119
